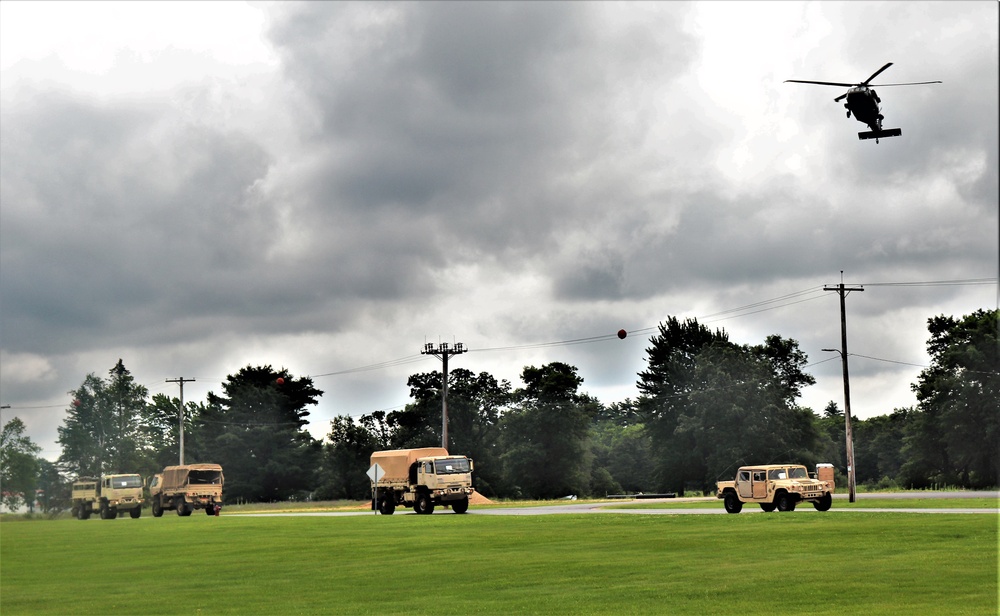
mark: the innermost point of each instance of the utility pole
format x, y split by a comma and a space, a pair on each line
180, 414
444, 352
843, 291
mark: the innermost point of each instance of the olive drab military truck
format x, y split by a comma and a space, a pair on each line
778, 486
422, 478
186, 488
111, 496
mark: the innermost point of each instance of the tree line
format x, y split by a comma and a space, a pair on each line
705, 405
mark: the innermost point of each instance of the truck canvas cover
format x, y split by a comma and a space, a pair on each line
175, 477
396, 463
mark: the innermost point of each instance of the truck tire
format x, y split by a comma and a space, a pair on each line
768, 507
733, 503
784, 501
386, 506
182, 507
424, 504
157, 509
135, 512
460, 506
824, 503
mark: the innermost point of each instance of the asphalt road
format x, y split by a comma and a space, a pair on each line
615, 507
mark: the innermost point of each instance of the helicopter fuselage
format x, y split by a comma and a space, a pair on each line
863, 103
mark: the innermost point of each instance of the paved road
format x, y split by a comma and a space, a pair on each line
614, 507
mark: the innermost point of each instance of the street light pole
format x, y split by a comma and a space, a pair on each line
849, 434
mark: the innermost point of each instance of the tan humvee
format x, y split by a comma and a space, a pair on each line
111, 495
777, 486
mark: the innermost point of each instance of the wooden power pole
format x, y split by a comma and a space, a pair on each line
843, 291
180, 415
444, 351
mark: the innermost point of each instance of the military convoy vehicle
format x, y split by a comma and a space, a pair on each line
423, 479
186, 488
778, 486
111, 496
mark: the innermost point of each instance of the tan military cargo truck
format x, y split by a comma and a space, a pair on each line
422, 478
111, 496
777, 486
186, 488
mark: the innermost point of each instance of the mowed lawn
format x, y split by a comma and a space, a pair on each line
858, 563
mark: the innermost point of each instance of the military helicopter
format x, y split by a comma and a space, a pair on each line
863, 102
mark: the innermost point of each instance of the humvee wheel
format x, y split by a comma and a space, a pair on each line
824, 503
460, 506
135, 512
424, 504
732, 503
768, 507
785, 502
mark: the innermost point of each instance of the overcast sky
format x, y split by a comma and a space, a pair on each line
325, 187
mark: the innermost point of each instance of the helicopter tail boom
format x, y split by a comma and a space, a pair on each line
879, 134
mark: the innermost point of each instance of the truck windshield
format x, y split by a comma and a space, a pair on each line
451, 466
126, 481
798, 472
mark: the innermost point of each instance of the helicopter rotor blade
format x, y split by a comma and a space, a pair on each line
840, 98
914, 83
822, 83
875, 74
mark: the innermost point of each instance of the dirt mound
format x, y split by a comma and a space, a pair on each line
479, 499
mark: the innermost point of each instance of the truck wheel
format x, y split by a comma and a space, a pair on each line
823, 504
386, 505
84, 513
135, 512
733, 503
768, 507
157, 509
785, 502
460, 506
424, 504
182, 508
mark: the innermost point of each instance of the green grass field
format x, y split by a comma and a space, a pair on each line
871, 563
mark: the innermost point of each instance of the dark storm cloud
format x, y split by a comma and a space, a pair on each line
115, 215
471, 113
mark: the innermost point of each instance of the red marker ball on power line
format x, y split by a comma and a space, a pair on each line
622, 333
76, 403
280, 381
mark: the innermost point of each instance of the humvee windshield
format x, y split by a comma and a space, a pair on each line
797, 472
126, 481
452, 466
